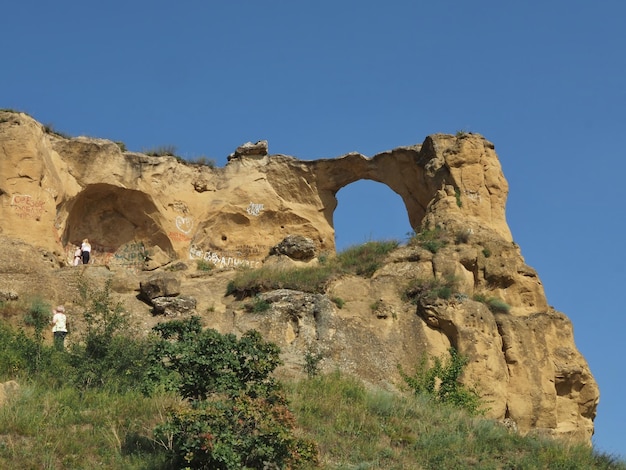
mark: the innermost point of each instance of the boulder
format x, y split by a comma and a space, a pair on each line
174, 306
295, 247
160, 285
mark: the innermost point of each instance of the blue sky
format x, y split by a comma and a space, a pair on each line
544, 81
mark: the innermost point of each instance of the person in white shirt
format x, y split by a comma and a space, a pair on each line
85, 249
59, 327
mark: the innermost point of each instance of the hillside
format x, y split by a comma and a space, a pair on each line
159, 221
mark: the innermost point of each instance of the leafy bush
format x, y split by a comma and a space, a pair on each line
236, 415
311, 362
38, 316
198, 363
235, 433
441, 382
106, 353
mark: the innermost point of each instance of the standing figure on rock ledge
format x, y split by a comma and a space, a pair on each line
85, 249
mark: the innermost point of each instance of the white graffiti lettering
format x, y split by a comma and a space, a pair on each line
220, 260
184, 224
254, 209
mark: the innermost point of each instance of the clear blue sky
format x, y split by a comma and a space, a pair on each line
544, 81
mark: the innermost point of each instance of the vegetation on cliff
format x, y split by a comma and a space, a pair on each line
190, 397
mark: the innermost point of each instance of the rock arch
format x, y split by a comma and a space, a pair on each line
403, 170
366, 211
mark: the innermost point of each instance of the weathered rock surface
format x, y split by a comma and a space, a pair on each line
144, 213
183, 305
159, 286
295, 247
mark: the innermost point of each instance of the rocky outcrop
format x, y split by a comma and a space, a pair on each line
132, 207
145, 213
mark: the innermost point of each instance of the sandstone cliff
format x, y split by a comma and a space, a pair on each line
143, 213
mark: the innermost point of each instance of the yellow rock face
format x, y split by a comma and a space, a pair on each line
142, 212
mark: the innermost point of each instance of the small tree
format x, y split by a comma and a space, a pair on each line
236, 415
107, 354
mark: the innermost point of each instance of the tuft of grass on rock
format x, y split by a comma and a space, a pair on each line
362, 260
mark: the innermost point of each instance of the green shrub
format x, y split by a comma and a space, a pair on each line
457, 194
38, 316
121, 145
498, 306
338, 301
258, 305
441, 381
486, 252
203, 265
198, 363
311, 362
106, 353
494, 304
236, 416
431, 239
429, 290
243, 432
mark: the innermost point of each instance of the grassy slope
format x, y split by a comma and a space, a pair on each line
355, 428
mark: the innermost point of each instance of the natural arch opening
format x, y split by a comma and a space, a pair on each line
369, 211
120, 224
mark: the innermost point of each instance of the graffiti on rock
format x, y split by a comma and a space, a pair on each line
221, 261
178, 237
184, 224
131, 255
27, 207
254, 209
